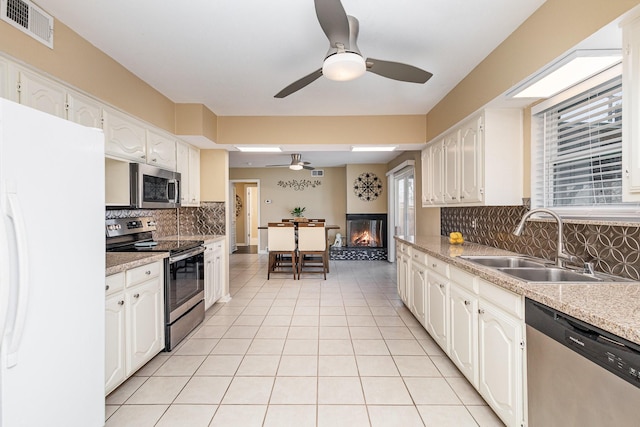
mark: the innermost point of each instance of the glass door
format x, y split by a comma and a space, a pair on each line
404, 203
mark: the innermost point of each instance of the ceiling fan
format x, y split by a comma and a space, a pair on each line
296, 163
344, 61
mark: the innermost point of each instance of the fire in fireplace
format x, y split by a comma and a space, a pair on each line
367, 230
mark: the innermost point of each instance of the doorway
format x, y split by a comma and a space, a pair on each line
245, 214
402, 203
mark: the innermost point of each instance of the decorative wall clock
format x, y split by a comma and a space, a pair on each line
367, 186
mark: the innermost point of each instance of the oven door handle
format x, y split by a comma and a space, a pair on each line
185, 255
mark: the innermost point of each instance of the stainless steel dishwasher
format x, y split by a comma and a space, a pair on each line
579, 375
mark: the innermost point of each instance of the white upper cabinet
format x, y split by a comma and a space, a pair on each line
161, 150
188, 164
477, 162
4, 79
84, 110
41, 93
124, 136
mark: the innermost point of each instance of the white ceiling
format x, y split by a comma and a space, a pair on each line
234, 56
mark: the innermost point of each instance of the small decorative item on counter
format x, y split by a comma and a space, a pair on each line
456, 238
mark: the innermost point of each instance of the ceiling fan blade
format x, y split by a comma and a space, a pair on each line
334, 22
397, 71
276, 166
309, 168
299, 84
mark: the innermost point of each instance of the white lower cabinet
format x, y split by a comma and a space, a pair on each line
479, 325
463, 332
403, 260
500, 362
134, 321
214, 272
418, 286
437, 309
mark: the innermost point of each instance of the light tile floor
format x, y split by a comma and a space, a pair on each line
340, 352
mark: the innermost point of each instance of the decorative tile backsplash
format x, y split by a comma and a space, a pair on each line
209, 218
613, 249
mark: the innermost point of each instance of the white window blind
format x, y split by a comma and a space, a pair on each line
579, 154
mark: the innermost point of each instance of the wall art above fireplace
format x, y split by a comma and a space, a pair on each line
367, 186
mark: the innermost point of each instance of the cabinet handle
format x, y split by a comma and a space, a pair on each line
121, 302
453, 197
106, 288
461, 197
143, 157
154, 160
467, 302
441, 286
434, 265
480, 311
136, 295
148, 272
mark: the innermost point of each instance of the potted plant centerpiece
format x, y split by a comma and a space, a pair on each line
297, 213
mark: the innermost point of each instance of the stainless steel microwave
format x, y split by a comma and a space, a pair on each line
140, 186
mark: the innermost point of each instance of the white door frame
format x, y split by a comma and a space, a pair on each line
391, 251
256, 181
251, 207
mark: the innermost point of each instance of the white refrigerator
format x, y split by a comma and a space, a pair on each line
52, 267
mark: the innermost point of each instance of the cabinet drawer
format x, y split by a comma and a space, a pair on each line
438, 266
142, 273
463, 279
420, 257
114, 283
507, 300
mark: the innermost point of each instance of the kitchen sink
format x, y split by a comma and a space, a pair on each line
549, 274
504, 261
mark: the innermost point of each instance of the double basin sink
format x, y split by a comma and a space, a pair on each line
537, 270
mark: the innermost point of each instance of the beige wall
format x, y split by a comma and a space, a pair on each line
214, 175
327, 200
354, 204
322, 130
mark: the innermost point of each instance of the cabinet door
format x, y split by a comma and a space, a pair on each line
427, 181
161, 150
437, 175
115, 370
194, 176
403, 277
209, 277
4, 80
418, 287
220, 271
182, 166
437, 308
463, 332
42, 94
471, 173
124, 137
145, 325
451, 167
630, 111
84, 111
500, 363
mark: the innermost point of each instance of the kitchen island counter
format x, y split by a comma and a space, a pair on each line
614, 307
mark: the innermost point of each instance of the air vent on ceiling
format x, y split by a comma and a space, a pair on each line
28, 18
317, 172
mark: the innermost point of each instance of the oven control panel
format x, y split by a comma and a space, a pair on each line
123, 226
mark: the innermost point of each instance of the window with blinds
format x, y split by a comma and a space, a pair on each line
578, 159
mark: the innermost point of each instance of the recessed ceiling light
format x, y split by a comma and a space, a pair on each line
374, 148
259, 149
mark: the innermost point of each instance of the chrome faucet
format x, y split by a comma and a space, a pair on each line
561, 256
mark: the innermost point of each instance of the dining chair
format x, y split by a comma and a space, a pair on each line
312, 244
317, 220
282, 247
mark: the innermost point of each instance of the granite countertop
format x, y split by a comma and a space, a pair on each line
121, 261
614, 307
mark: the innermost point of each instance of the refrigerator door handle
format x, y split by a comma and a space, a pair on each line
4, 276
15, 213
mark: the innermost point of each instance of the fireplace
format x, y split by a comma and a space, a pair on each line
366, 230
365, 239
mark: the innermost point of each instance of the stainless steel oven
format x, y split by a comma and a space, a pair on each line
184, 294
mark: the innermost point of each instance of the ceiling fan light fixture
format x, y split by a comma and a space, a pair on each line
295, 167
344, 66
